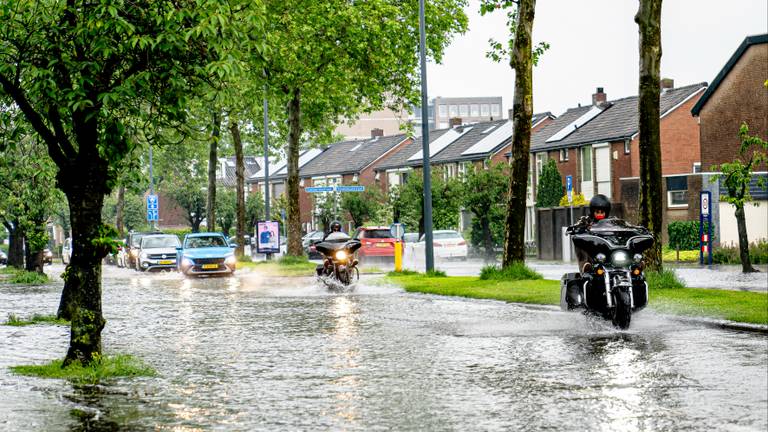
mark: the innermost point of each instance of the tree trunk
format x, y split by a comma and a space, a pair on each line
15, 246
648, 19
240, 187
213, 162
293, 221
521, 62
741, 224
119, 211
485, 222
33, 258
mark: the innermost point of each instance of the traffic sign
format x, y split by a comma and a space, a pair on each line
152, 202
705, 203
152, 215
319, 189
397, 230
569, 187
350, 188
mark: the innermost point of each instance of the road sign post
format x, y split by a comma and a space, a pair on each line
705, 214
397, 230
153, 208
569, 189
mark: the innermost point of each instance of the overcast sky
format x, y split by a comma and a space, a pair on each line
594, 43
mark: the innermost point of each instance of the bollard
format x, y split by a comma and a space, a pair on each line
398, 256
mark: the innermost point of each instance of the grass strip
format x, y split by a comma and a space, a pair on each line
121, 365
23, 277
738, 306
14, 320
286, 267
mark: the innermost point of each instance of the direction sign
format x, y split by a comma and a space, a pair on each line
152, 215
569, 187
350, 188
319, 189
152, 202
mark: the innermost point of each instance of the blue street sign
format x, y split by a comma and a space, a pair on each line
152, 202
569, 187
152, 215
350, 188
319, 189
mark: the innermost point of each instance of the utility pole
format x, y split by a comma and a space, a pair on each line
266, 162
429, 247
153, 222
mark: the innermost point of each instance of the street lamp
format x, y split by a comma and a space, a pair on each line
429, 247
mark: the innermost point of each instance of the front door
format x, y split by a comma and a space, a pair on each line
603, 169
585, 162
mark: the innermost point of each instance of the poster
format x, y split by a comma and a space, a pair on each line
268, 237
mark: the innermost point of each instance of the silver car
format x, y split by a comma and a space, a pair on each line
157, 251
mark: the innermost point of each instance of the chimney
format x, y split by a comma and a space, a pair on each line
454, 121
666, 84
599, 98
376, 132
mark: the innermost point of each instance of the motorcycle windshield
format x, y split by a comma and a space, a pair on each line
329, 247
610, 234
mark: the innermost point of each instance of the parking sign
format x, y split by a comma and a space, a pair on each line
569, 187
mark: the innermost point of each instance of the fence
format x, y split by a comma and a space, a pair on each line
549, 227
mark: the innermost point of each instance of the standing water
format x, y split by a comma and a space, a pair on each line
253, 353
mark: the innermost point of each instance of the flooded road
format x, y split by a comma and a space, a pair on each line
252, 353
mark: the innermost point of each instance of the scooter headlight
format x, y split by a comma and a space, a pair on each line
620, 258
341, 255
637, 258
600, 258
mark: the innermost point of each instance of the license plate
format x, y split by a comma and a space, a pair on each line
382, 244
166, 262
210, 266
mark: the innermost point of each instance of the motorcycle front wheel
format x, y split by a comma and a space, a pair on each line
622, 311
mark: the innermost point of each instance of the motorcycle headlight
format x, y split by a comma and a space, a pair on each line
230, 260
637, 258
620, 258
600, 258
341, 255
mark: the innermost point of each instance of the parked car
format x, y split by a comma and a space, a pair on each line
66, 251
3, 258
377, 242
157, 251
132, 242
47, 256
448, 244
307, 242
409, 242
206, 254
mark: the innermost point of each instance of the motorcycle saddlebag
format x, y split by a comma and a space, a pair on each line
571, 295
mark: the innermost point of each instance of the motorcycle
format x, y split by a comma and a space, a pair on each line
339, 261
611, 283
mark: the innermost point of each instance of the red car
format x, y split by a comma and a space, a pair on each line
377, 242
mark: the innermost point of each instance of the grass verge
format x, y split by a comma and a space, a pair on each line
689, 256
14, 320
738, 306
516, 271
23, 277
121, 365
285, 266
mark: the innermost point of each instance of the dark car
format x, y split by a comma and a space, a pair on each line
308, 243
3, 258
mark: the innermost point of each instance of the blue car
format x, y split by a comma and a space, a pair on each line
206, 253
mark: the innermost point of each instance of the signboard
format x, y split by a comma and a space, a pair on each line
350, 188
705, 219
268, 237
397, 230
705, 203
152, 208
319, 189
569, 187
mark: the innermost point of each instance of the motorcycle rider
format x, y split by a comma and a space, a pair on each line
599, 209
335, 227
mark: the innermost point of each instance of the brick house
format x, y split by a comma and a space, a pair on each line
737, 95
598, 146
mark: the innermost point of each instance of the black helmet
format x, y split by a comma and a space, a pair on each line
335, 226
599, 202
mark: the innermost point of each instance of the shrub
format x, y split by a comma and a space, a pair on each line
665, 279
550, 186
180, 233
292, 260
403, 272
684, 235
516, 271
29, 278
758, 254
578, 200
436, 273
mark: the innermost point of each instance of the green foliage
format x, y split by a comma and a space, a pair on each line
515, 271
578, 200
684, 235
666, 279
226, 209
501, 52
15, 321
23, 277
134, 211
550, 187
446, 200
362, 206
254, 210
737, 175
121, 365
485, 192
106, 243
435, 273
180, 233
758, 254
403, 272
288, 260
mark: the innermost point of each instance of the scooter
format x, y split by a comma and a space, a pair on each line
611, 283
339, 263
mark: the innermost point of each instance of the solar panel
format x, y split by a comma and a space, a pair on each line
572, 126
491, 141
441, 143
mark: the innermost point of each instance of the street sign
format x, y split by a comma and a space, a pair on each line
153, 209
350, 188
705, 203
319, 189
152, 202
152, 215
569, 187
705, 219
397, 230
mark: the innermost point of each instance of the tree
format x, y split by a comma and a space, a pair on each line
254, 210
484, 196
737, 176
334, 59
648, 19
363, 206
446, 201
550, 187
226, 209
80, 71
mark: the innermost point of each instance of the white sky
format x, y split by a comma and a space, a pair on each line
594, 43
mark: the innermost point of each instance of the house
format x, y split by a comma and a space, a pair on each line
598, 146
737, 95
278, 172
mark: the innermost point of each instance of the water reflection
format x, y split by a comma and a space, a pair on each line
345, 354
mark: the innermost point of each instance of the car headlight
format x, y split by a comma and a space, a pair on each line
600, 258
186, 262
230, 260
620, 258
341, 255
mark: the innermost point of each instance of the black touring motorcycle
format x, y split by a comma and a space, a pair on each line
611, 283
339, 263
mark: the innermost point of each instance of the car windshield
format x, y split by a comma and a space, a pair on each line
377, 233
136, 240
160, 242
204, 242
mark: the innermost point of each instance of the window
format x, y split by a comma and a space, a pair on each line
586, 164
464, 168
541, 158
495, 110
564, 155
677, 192
443, 110
449, 171
627, 146
464, 110
453, 110
485, 110
697, 167
474, 110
